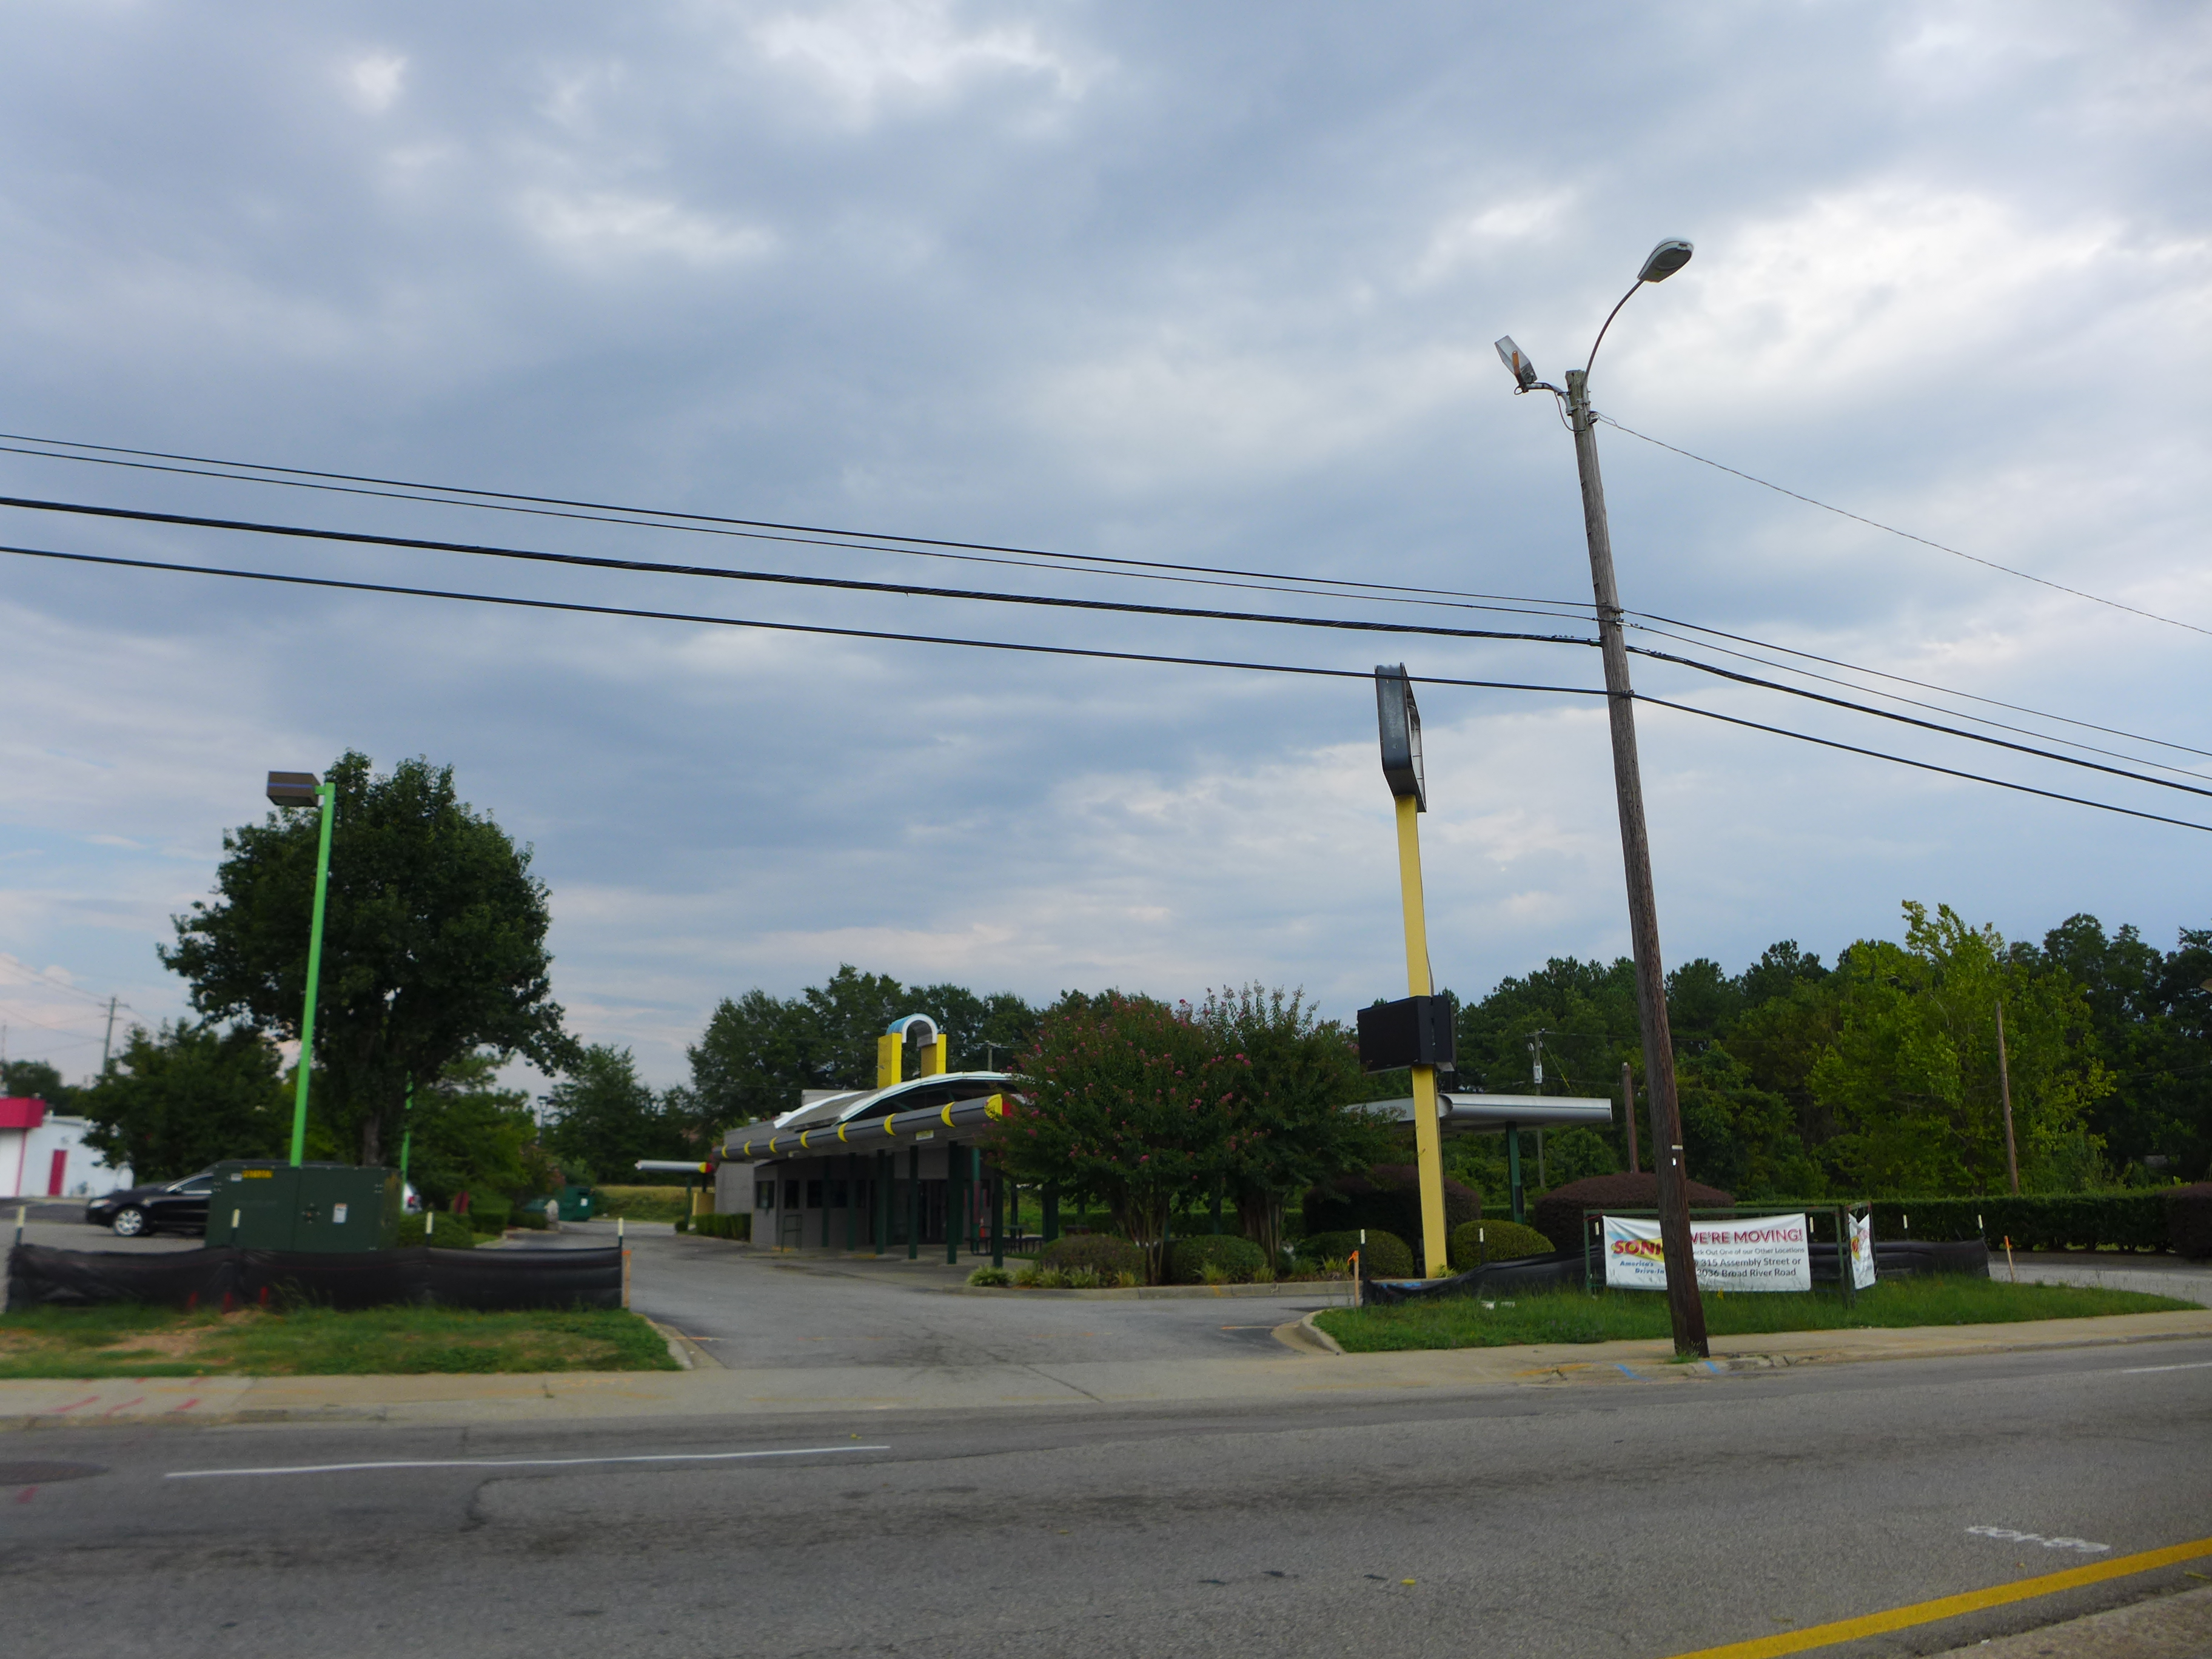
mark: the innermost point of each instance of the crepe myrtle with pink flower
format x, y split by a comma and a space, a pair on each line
1149, 1107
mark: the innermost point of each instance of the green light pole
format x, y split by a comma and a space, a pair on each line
305, 789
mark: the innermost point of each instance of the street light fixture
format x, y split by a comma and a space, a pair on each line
305, 789
1686, 1309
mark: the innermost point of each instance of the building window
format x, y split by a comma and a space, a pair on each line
763, 1194
813, 1194
790, 1194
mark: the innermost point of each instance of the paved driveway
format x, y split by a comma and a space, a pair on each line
753, 1309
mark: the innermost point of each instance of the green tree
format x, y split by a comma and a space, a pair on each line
35, 1080
1129, 1103
433, 942
181, 1097
1911, 1076
471, 1134
601, 1117
2147, 1011
1284, 1129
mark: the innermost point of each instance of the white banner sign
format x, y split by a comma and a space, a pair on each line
1767, 1252
1862, 1252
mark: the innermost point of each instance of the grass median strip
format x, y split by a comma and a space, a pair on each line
1619, 1315
125, 1340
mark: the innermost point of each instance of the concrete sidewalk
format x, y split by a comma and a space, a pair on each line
608, 1396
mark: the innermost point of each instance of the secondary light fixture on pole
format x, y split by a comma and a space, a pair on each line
305, 789
1685, 1308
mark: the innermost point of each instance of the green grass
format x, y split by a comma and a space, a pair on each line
1572, 1316
124, 1340
639, 1203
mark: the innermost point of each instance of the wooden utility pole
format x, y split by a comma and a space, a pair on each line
1685, 1309
2004, 1089
1628, 1112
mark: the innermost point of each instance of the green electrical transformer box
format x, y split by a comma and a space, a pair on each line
263, 1204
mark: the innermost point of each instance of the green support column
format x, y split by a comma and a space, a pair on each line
879, 1218
1050, 1227
997, 1217
851, 1202
824, 1167
1513, 1168
956, 1206
914, 1203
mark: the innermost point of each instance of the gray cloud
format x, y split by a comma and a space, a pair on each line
1214, 285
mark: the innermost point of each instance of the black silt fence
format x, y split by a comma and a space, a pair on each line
1569, 1270
486, 1280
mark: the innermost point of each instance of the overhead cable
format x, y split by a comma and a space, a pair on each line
979, 552
1891, 529
846, 584
821, 628
908, 590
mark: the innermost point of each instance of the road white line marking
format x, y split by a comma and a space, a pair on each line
2145, 1370
519, 1462
2011, 1537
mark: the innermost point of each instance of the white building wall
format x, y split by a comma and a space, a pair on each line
26, 1161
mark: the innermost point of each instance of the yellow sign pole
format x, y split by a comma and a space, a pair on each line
1428, 1145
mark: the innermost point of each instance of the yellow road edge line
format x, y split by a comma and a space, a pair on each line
1950, 1606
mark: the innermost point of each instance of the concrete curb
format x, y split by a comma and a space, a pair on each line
1146, 1292
1307, 1337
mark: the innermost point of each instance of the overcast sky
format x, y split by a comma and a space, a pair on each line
1200, 284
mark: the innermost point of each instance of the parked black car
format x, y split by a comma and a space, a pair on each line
173, 1206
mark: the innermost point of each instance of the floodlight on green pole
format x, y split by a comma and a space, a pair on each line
305, 789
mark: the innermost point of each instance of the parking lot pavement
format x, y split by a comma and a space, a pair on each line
756, 1311
2112, 1270
63, 1228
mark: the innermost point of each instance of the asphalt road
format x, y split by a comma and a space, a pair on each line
1541, 1522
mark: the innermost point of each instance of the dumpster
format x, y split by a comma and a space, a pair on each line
260, 1204
576, 1204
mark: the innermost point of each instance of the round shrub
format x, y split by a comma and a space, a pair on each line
1558, 1213
1384, 1255
991, 1277
451, 1233
1102, 1253
1388, 1197
1238, 1259
1474, 1243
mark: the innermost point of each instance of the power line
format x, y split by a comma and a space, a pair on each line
770, 627
852, 584
1876, 691
1891, 529
1041, 650
1925, 766
866, 540
1716, 670
1091, 564
1925, 685
848, 584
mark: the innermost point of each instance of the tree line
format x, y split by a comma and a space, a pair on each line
1878, 1074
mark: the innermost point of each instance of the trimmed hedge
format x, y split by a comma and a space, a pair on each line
1107, 1256
739, 1226
451, 1233
489, 1215
1239, 1258
2131, 1220
1475, 1243
1384, 1255
1387, 1198
2189, 1220
1558, 1213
